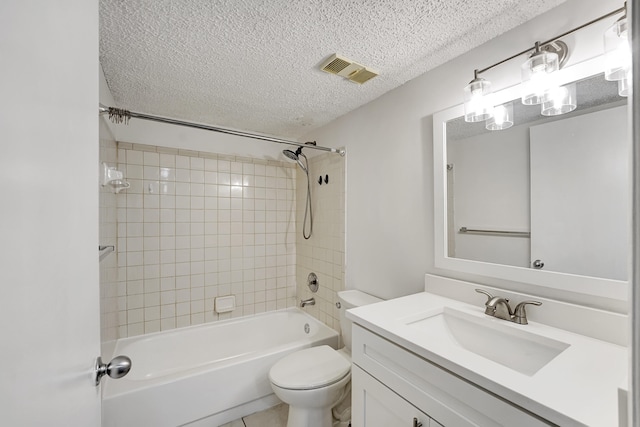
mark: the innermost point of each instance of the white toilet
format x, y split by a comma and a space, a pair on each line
313, 380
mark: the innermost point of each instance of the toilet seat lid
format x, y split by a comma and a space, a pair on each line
310, 368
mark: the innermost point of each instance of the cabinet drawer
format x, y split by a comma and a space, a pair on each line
448, 399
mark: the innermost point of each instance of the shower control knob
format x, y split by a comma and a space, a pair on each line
117, 368
312, 282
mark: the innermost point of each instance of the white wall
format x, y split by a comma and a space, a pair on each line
49, 312
164, 135
389, 153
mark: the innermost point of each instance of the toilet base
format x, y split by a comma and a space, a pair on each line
312, 408
309, 417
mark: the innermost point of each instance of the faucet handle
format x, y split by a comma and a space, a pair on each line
520, 314
489, 311
488, 295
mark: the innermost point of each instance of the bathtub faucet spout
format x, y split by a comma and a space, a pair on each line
306, 302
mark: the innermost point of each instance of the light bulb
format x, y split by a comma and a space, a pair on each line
624, 85
537, 75
560, 100
502, 117
617, 59
477, 106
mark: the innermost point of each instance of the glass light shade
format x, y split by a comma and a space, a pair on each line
560, 100
537, 76
477, 106
502, 117
617, 57
624, 85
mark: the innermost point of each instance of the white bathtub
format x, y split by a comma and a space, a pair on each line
206, 375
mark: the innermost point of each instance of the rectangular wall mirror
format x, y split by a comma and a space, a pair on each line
545, 201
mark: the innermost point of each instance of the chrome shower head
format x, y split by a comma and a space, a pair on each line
290, 154
296, 156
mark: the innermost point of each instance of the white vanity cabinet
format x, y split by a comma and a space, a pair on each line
392, 386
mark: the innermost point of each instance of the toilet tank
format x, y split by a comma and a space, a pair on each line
350, 299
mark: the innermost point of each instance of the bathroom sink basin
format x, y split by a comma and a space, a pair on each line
497, 340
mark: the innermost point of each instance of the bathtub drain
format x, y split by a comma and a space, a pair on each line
306, 328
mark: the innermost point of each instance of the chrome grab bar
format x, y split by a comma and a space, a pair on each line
497, 232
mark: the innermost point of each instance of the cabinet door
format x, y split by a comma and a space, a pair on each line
375, 405
579, 194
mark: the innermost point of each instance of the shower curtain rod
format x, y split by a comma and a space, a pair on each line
119, 115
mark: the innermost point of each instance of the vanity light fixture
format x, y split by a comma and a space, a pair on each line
538, 75
477, 105
501, 118
617, 57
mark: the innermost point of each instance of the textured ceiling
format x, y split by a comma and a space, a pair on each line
254, 64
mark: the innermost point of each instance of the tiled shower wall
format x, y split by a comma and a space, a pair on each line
323, 253
194, 226
108, 237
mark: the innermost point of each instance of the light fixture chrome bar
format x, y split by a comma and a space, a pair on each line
126, 114
605, 16
496, 232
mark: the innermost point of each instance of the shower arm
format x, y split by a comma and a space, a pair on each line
118, 115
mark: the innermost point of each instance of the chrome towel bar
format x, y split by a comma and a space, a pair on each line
495, 232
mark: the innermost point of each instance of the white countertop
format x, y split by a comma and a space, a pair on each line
578, 387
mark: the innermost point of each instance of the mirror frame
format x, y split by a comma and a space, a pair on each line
593, 286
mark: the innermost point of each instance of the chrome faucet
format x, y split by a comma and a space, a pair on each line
306, 302
499, 307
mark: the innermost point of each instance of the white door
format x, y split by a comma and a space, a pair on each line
580, 194
49, 300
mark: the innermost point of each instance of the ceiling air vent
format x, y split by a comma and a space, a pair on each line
348, 69
363, 75
335, 64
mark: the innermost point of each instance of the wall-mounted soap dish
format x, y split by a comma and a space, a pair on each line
113, 178
225, 304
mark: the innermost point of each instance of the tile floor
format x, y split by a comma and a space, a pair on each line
272, 417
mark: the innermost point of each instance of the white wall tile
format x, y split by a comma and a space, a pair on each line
189, 227
324, 252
